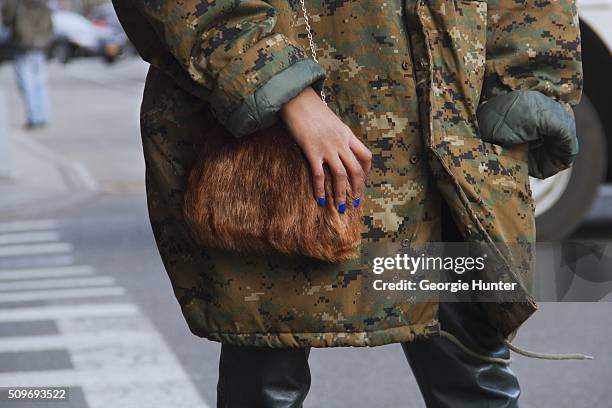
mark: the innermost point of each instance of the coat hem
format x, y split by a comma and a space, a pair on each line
328, 339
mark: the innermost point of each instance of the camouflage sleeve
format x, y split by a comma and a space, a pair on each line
230, 52
533, 75
533, 45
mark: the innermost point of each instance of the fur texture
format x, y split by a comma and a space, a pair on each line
254, 195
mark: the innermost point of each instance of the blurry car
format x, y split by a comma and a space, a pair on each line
76, 36
563, 201
104, 17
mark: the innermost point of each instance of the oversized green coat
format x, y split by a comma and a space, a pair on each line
417, 82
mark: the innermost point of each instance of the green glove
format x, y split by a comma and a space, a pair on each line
531, 117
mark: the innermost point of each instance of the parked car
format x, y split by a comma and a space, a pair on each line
104, 17
562, 201
76, 36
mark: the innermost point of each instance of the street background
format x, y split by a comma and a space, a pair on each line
84, 299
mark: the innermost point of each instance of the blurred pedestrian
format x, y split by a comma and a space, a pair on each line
31, 26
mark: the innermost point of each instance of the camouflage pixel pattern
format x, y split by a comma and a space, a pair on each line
407, 78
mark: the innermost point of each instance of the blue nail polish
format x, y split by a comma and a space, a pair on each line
322, 201
342, 208
357, 202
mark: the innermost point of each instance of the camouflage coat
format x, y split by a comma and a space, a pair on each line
408, 77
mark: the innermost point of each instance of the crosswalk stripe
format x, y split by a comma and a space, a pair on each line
28, 314
58, 283
60, 294
105, 338
37, 273
112, 346
27, 225
18, 250
28, 237
38, 261
67, 378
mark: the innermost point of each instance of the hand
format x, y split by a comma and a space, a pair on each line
324, 138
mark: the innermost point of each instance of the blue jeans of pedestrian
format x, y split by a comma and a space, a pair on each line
31, 70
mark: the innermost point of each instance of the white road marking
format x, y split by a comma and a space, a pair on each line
28, 237
66, 378
60, 294
58, 283
174, 393
117, 361
85, 176
39, 261
28, 314
19, 250
27, 225
118, 357
37, 273
76, 340
129, 388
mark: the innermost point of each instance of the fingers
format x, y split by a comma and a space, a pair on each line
340, 183
362, 153
356, 175
347, 157
318, 180
348, 165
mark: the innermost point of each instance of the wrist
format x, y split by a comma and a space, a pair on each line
297, 106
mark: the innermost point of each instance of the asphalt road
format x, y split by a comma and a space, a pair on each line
112, 327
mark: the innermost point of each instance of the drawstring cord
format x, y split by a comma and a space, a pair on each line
545, 356
498, 360
463, 347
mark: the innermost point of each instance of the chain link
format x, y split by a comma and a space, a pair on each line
313, 49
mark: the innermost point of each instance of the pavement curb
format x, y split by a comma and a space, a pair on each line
79, 182
75, 174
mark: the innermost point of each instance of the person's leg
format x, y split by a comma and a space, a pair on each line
23, 72
41, 98
446, 375
261, 377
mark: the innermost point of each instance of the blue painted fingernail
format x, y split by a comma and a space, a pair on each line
342, 208
356, 202
322, 201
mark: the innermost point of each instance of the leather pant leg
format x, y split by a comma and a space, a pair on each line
446, 375
262, 377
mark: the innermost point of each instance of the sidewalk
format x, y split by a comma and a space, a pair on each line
92, 145
41, 180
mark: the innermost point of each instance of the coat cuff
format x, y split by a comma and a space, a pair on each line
259, 109
531, 117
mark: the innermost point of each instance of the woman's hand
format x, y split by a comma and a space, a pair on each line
324, 138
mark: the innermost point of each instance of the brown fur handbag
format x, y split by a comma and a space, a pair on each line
254, 195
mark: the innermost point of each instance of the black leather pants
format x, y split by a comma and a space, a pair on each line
448, 377
256, 377
259, 377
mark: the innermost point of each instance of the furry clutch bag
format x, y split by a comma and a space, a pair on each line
254, 195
